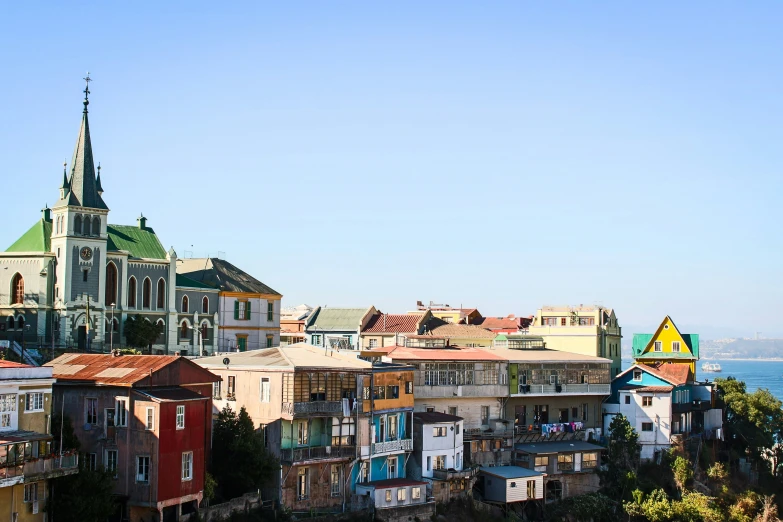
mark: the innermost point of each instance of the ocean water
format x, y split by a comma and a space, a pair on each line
756, 374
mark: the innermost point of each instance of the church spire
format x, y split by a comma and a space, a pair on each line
98, 187
83, 184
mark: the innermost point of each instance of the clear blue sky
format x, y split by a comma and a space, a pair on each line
499, 155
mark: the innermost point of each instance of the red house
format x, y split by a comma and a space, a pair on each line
148, 419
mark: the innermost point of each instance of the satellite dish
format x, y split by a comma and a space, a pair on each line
226, 361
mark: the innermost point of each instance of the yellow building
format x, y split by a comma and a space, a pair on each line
666, 345
27, 456
586, 330
448, 313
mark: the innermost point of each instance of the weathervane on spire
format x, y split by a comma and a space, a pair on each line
87, 90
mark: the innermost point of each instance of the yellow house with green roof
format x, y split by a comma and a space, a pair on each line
666, 345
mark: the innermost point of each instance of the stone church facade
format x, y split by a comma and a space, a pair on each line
73, 279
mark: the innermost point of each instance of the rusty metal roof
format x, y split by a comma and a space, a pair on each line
106, 369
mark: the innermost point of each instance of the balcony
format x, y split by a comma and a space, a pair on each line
392, 446
39, 469
452, 474
466, 390
695, 405
318, 408
319, 453
564, 389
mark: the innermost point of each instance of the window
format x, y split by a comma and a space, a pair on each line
232, 383
84, 274
647, 426
542, 461
379, 392
96, 226
401, 494
429, 409
574, 413
184, 304
303, 483
20, 322
34, 401
216, 389
392, 427
453, 410
110, 296
531, 489
637, 375
364, 472
111, 461
647, 401
180, 417
675, 346
391, 464
513, 485
388, 495
242, 310
132, 292
187, 465
565, 462
77, 225
627, 399
142, 469
92, 461
550, 321
183, 330
440, 462
150, 424
146, 293
303, 432
316, 340
270, 311
562, 321
265, 390
91, 411
392, 392
456, 427
121, 413
336, 482
86, 226
408, 387
657, 346
161, 294
270, 341
485, 415
439, 431
416, 493
373, 343
589, 460
429, 463
205, 305
31, 492
585, 409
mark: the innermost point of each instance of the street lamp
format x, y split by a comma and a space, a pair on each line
111, 329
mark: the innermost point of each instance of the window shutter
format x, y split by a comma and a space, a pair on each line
247, 310
236, 309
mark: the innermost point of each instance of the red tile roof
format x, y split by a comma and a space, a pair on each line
675, 373
649, 389
392, 323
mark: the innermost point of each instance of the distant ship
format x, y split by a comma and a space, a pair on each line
710, 367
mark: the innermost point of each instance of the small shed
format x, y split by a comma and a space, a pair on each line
511, 484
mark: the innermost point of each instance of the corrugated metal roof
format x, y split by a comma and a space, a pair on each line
172, 394
105, 369
648, 389
36, 239
510, 472
219, 273
403, 353
564, 446
432, 417
186, 282
439, 328
298, 355
336, 319
392, 323
141, 243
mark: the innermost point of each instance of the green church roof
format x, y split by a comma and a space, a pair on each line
140, 242
37, 239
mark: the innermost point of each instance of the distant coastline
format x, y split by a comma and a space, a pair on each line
761, 359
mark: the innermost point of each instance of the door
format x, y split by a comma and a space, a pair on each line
520, 416
81, 338
242, 343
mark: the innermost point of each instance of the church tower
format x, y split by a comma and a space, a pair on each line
79, 238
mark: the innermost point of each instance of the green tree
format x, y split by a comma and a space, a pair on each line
240, 463
619, 477
86, 496
70, 441
683, 472
753, 421
141, 333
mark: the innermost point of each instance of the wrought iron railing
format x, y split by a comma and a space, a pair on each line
320, 453
318, 407
392, 445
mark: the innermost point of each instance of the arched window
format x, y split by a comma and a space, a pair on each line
183, 330
86, 226
162, 325
146, 293
161, 297
77, 225
17, 289
10, 322
96, 226
20, 322
204, 327
111, 284
184, 304
205, 305
132, 292
116, 325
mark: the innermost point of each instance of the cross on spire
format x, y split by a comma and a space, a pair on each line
87, 90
